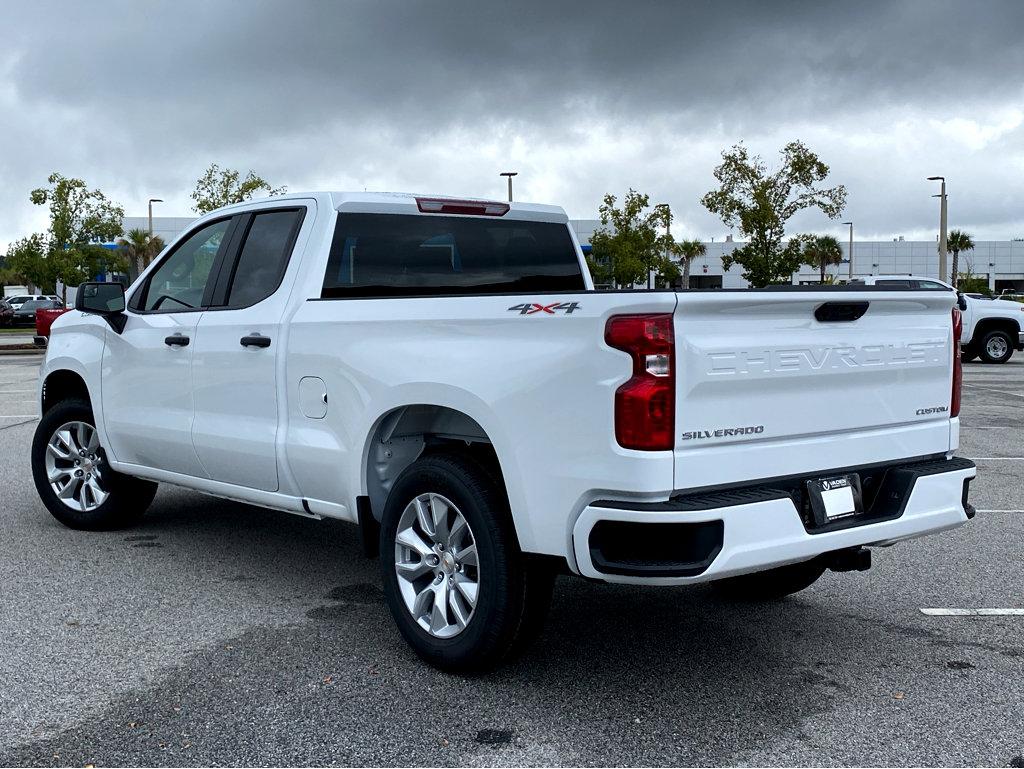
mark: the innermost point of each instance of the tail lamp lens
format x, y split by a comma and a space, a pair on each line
958, 370
645, 405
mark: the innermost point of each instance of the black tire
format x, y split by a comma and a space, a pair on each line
983, 350
771, 585
514, 590
968, 354
128, 497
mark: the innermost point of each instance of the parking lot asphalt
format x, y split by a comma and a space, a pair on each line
217, 633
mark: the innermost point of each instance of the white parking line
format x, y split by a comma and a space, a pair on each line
19, 416
994, 459
1001, 511
973, 612
991, 390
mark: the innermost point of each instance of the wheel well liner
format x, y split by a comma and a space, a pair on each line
985, 325
61, 385
404, 434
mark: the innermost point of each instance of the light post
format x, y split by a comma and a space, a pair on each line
668, 232
942, 225
509, 174
850, 254
151, 202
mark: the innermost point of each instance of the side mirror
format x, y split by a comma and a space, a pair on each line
106, 299
961, 300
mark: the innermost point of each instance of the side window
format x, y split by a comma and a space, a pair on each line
263, 257
894, 283
931, 285
178, 284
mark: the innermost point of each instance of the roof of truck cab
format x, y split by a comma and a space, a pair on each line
399, 203
405, 203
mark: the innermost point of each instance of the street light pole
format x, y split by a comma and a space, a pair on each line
942, 224
509, 174
668, 231
850, 253
151, 202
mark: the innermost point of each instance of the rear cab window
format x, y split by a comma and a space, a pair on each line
392, 255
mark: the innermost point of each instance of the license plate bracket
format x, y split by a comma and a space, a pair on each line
835, 499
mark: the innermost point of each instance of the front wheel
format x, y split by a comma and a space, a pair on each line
70, 470
996, 347
461, 592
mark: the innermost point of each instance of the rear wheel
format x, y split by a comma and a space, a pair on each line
461, 592
968, 354
771, 585
996, 347
73, 478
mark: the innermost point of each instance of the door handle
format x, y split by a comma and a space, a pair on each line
255, 340
176, 340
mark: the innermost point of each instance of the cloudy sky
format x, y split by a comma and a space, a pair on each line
580, 98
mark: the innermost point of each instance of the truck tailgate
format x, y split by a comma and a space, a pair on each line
767, 389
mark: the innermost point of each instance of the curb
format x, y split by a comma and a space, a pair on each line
36, 351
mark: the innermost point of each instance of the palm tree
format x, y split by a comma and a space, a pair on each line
689, 250
958, 241
821, 251
140, 249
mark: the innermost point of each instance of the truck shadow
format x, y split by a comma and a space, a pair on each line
620, 675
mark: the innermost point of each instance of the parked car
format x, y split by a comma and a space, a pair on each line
6, 313
44, 320
993, 328
442, 373
20, 299
25, 313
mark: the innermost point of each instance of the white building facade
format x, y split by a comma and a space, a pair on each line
1000, 262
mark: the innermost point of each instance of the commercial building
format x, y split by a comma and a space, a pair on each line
1000, 262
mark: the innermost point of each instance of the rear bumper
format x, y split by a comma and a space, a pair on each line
758, 527
1020, 341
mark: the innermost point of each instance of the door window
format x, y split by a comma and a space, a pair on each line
178, 284
931, 285
264, 256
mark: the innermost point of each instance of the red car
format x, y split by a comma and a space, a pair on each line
44, 319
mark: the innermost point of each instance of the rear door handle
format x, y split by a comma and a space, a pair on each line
176, 340
255, 340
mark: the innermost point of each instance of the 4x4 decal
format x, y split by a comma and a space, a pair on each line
532, 308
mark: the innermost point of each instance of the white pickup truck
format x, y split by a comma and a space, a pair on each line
992, 328
442, 373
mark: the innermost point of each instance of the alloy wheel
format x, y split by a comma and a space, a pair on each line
996, 347
437, 567
76, 467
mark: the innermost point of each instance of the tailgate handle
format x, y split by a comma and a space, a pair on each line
840, 312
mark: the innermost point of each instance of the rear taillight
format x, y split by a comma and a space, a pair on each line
645, 405
958, 371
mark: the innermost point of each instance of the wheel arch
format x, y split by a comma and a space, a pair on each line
985, 325
62, 384
403, 434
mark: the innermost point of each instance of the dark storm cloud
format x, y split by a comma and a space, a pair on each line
583, 97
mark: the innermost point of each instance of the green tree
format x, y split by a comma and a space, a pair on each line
80, 220
958, 241
759, 203
223, 186
637, 243
821, 251
26, 261
688, 251
139, 249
